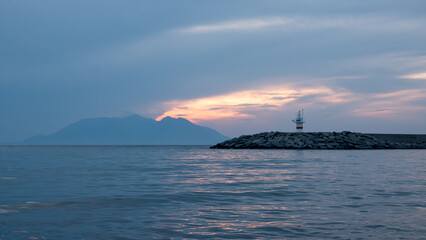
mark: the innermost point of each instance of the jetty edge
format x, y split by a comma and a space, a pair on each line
324, 140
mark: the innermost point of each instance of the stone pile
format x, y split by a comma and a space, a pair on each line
315, 140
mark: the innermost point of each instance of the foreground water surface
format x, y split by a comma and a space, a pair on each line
163, 192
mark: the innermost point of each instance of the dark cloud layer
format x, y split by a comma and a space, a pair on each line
61, 61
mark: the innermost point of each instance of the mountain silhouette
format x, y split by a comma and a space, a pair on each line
131, 130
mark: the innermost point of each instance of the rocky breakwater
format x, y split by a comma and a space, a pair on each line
315, 140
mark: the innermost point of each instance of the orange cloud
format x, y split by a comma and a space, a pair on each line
241, 104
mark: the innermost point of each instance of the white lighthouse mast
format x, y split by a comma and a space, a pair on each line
299, 121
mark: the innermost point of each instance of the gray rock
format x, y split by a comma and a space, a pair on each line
321, 140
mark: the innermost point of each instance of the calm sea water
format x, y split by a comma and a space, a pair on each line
153, 192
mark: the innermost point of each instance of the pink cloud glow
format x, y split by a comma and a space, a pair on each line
398, 105
243, 104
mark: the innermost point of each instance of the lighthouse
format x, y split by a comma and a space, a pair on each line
299, 121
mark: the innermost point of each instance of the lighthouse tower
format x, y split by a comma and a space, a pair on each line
299, 121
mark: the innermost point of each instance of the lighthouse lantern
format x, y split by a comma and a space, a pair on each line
299, 121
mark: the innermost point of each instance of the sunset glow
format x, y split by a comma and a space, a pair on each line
241, 104
247, 103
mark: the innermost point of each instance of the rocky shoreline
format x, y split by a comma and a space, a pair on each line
317, 140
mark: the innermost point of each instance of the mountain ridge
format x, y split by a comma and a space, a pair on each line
130, 130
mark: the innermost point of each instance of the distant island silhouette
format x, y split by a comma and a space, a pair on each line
131, 130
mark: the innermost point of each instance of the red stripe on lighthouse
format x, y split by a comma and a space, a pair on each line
299, 127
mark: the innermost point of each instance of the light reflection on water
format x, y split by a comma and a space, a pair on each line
194, 192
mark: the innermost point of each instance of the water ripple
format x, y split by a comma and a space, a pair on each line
177, 192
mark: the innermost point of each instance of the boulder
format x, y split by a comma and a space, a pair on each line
320, 140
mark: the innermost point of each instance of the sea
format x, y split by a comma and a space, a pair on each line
193, 192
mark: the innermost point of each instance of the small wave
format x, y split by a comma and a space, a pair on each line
7, 211
20, 231
326, 223
403, 193
275, 229
7, 178
374, 226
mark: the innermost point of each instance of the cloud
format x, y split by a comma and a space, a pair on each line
366, 22
238, 25
244, 104
252, 103
415, 76
403, 104
283, 37
139, 59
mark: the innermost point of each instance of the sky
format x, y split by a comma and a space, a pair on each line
240, 67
